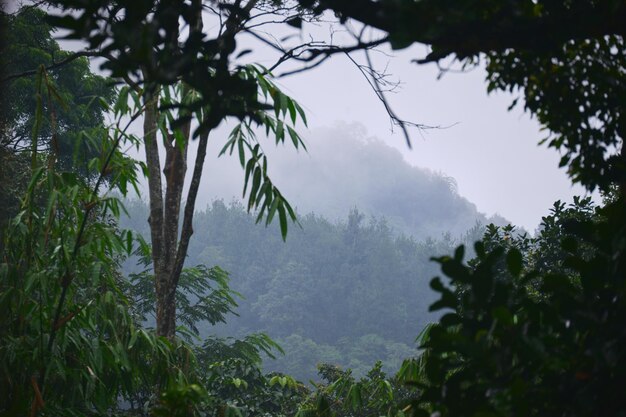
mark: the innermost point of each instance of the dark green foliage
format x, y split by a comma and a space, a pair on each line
324, 273
204, 295
467, 28
72, 341
73, 97
521, 332
531, 326
143, 41
340, 394
545, 251
65, 325
544, 337
67, 128
143, 38
14, 176
577, 92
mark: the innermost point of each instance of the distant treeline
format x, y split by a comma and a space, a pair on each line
348, 293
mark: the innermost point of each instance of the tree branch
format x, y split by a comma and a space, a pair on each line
190, 204
55, 65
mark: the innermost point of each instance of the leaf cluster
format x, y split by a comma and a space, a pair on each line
506, 347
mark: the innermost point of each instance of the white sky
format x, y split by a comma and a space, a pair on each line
492, 153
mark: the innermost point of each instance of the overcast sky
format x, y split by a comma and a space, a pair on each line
492, 153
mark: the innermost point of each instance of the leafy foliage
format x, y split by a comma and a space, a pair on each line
74, 98
531, 326
340, 394
67, 338
588, 125
72, 101
264, 197
73, 341
521, 332
501, 350
203, 295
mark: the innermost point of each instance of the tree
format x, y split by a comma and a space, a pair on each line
180, 76
179, 80
80, 96
172, 80
65, 334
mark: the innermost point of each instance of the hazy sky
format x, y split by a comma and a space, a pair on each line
491, 152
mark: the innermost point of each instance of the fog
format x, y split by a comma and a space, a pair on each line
346, 168
492, 153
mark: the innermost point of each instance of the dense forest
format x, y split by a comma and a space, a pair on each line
346, 287
347, 293
107, 314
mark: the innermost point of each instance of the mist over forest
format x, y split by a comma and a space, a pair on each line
350, 285
345, 168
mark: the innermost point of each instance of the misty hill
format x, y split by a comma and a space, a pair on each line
348, 292
344, 168
350, 286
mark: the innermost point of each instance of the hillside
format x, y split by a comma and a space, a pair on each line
345, 168
349, 292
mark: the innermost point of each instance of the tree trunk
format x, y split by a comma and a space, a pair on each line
168, 250
165, 212
165, 313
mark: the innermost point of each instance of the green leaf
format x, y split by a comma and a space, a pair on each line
280, 131
295, 139
133, 339
283, 220
292, 111
249, 168
514, 262
256, 181
121, 104
301, 112
242, 153
272, 210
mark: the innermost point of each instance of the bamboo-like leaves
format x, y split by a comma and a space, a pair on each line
263, 196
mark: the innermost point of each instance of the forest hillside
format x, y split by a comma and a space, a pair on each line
343, 168
347, 292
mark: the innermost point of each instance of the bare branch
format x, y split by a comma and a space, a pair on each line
55, 65
313, 53
380, 93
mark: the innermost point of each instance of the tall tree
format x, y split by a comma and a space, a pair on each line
183, 80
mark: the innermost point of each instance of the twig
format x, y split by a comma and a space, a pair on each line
65, 61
